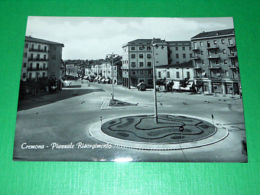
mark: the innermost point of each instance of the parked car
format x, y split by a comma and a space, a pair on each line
141, 86
91, 79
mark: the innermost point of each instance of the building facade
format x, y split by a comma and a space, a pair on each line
179, 52
71, 69
41, 59
176, 72
107, 71
55, 60
139, 57
215, 62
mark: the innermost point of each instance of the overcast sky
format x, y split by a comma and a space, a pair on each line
93, 38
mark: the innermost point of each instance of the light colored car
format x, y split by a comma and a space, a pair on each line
66, 83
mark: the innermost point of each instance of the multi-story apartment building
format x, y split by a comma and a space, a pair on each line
179, 52
41, 59
215, 62
139, 57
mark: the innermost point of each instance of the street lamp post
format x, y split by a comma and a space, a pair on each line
154, 85
112, 56
112, 75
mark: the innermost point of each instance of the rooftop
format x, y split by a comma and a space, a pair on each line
32, 39
145, 41
181, 65
178, 41
214, 33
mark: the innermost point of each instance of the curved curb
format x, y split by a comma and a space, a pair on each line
96, 132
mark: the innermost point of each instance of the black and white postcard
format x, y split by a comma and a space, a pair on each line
130, 89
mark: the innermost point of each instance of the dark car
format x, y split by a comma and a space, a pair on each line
141, 86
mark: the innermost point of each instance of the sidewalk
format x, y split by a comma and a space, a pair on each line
179, 94
66, 93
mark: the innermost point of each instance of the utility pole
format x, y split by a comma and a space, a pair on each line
112, 75
154, 85
129, 73
112, 70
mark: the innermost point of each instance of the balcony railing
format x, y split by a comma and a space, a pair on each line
215, 78
232, 55
195, 57
38, 50
214, 56
215, 66
197, 67
234, 67
38, 59
232, 45
37, 69
214, 46
195, 49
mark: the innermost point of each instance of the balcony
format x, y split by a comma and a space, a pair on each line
195, 49
37, 59
213, 47
215, 78
38, 50
195, 57
197, 77
37, 69
234, 67
197, 68
213, 57
232, 45
233, 55
215, 67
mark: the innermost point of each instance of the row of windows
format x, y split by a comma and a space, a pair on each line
223, 41
224, 51
38, 56
183, 48
177, 75
218, 74
37, 65
149, 56
141, 64
39, 47
202, 62
140, 48
183, 55
37, 75
142, 72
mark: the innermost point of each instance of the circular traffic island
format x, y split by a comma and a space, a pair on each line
168, 129
170, 132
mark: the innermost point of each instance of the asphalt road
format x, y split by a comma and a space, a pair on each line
65, 122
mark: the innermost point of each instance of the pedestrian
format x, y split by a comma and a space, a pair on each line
212, 117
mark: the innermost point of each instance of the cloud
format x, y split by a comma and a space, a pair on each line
93, 37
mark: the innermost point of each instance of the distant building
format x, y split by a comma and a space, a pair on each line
176, 72
71, 69
137, 61
179, 52
106, 71
88, 71
41, 59
215, 62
